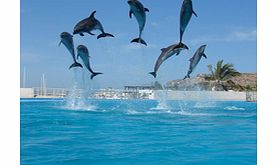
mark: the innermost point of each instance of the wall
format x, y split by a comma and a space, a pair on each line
26, 92
201, 95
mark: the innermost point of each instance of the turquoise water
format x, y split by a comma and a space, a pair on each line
137, 132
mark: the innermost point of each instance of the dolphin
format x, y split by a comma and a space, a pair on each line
67, 40
138, 10
185, 16
166, 53
89, 24
195, 59
82, 52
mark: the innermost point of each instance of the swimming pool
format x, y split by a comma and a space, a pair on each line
137, 132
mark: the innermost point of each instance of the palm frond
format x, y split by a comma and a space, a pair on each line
224, 72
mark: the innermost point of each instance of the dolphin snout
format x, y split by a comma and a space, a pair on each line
203, 47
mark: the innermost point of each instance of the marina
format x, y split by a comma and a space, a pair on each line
136, 93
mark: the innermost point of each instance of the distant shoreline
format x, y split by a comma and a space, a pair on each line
151, 95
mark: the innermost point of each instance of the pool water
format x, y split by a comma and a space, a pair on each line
137, 132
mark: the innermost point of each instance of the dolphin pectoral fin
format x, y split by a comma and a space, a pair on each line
204, 55
60, 43
186, 47
178, 53
154, 74
91, 33
130, 13
104, 35
194, 13
139, 40
81, 34
76, 64
190, 60
146, 9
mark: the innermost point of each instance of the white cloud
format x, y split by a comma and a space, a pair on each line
233, 36
250, 35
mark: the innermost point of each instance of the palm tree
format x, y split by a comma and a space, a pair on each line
223, 72
212, 72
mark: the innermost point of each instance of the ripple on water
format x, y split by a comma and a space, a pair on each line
128, 131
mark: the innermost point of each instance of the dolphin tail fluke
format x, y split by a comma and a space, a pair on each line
154, 74
94, 74
104, 35
181, 45
76, 64
139, 40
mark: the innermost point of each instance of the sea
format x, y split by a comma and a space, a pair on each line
137, 132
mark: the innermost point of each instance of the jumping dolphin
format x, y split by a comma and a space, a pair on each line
67, 40
82, 51
195, 59
185, 16
89, 24
138, 10
166, 53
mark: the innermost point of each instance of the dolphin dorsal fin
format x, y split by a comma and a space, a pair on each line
92, 14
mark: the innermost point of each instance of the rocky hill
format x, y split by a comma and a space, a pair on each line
246, 81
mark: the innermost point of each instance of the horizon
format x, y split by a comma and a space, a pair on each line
231, 36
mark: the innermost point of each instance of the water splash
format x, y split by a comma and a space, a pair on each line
205, 104
234, 108
162, 101
183, 106
162, 105
78, 98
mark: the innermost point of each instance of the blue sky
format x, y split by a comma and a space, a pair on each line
228, 28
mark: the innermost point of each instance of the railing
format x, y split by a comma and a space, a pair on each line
143, 94
96, 93
251, 96
50, 92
